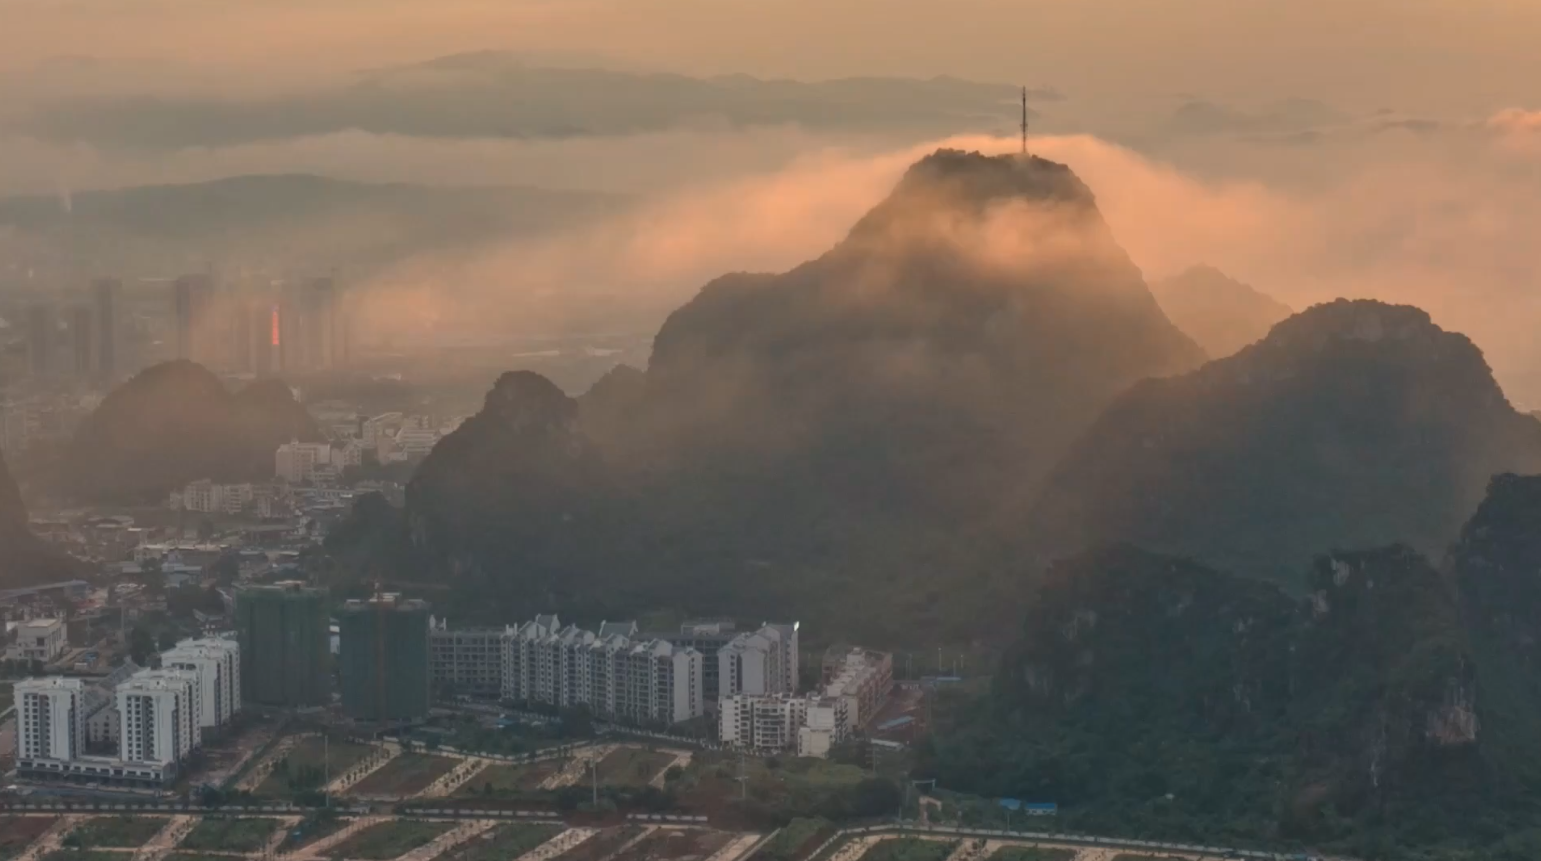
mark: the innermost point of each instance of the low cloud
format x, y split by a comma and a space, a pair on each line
1446, 229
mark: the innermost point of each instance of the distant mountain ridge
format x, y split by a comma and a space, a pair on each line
1353, 424
1220, 313
497, 95
25, 560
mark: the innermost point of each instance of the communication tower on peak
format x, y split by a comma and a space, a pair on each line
1024, 120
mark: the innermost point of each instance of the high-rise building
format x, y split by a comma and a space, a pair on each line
106, 292
159, 714
40, 339
218, 665
51, 720
82, 341
283, 631
192, 296
383, 659
759, 662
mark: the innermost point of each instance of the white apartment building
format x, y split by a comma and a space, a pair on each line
759, 663
652, 681
777, 723
300, 462
206, 497
40, 639
217, 662
863, 678
50, 722
160, 718
826, 723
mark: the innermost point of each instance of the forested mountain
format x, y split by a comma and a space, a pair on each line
1382, 711
174, 423
24, 559
807, 437
1353, 424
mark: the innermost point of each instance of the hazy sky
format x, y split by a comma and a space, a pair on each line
1424, 54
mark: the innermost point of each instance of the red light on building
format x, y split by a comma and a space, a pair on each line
275, 325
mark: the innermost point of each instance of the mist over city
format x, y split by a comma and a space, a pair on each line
799, 431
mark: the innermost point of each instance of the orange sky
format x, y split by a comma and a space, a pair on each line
1476, 54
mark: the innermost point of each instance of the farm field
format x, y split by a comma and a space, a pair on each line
308, 763
795, 835
505, 779
677, 844
389, 839
1032, 853
309, 831
114, 832
602, 845
504, 843
18, 832
910, 849
407, 774
632, 766
229, 835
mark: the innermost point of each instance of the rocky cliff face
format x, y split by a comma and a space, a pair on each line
1220, 313
174, 423
954, 342
1352, 424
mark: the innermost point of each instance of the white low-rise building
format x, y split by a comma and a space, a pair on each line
40, 640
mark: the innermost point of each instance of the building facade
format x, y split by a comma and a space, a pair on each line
282, 634
467, 662
160, 720
651, 681
50, 721
40, 639
862, 677
218, 665
383, 659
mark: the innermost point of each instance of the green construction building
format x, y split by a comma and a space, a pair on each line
284, 635
383, 659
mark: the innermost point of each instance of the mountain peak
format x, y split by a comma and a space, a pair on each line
969, 184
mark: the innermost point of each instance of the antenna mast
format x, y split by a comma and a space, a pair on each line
1024, 120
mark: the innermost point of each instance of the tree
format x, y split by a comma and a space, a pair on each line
141, 645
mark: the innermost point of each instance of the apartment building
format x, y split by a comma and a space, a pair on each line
781, 723
50, 722
217, 663
468, 662
160, 719
760, 662
651, 681
862, 677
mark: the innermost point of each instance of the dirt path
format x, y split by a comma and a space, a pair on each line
325, 844
558, 844
450, 839
681, 759
264, 766
574, 771
371, 764
166, 839
469, 767
735, 848
51, 839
